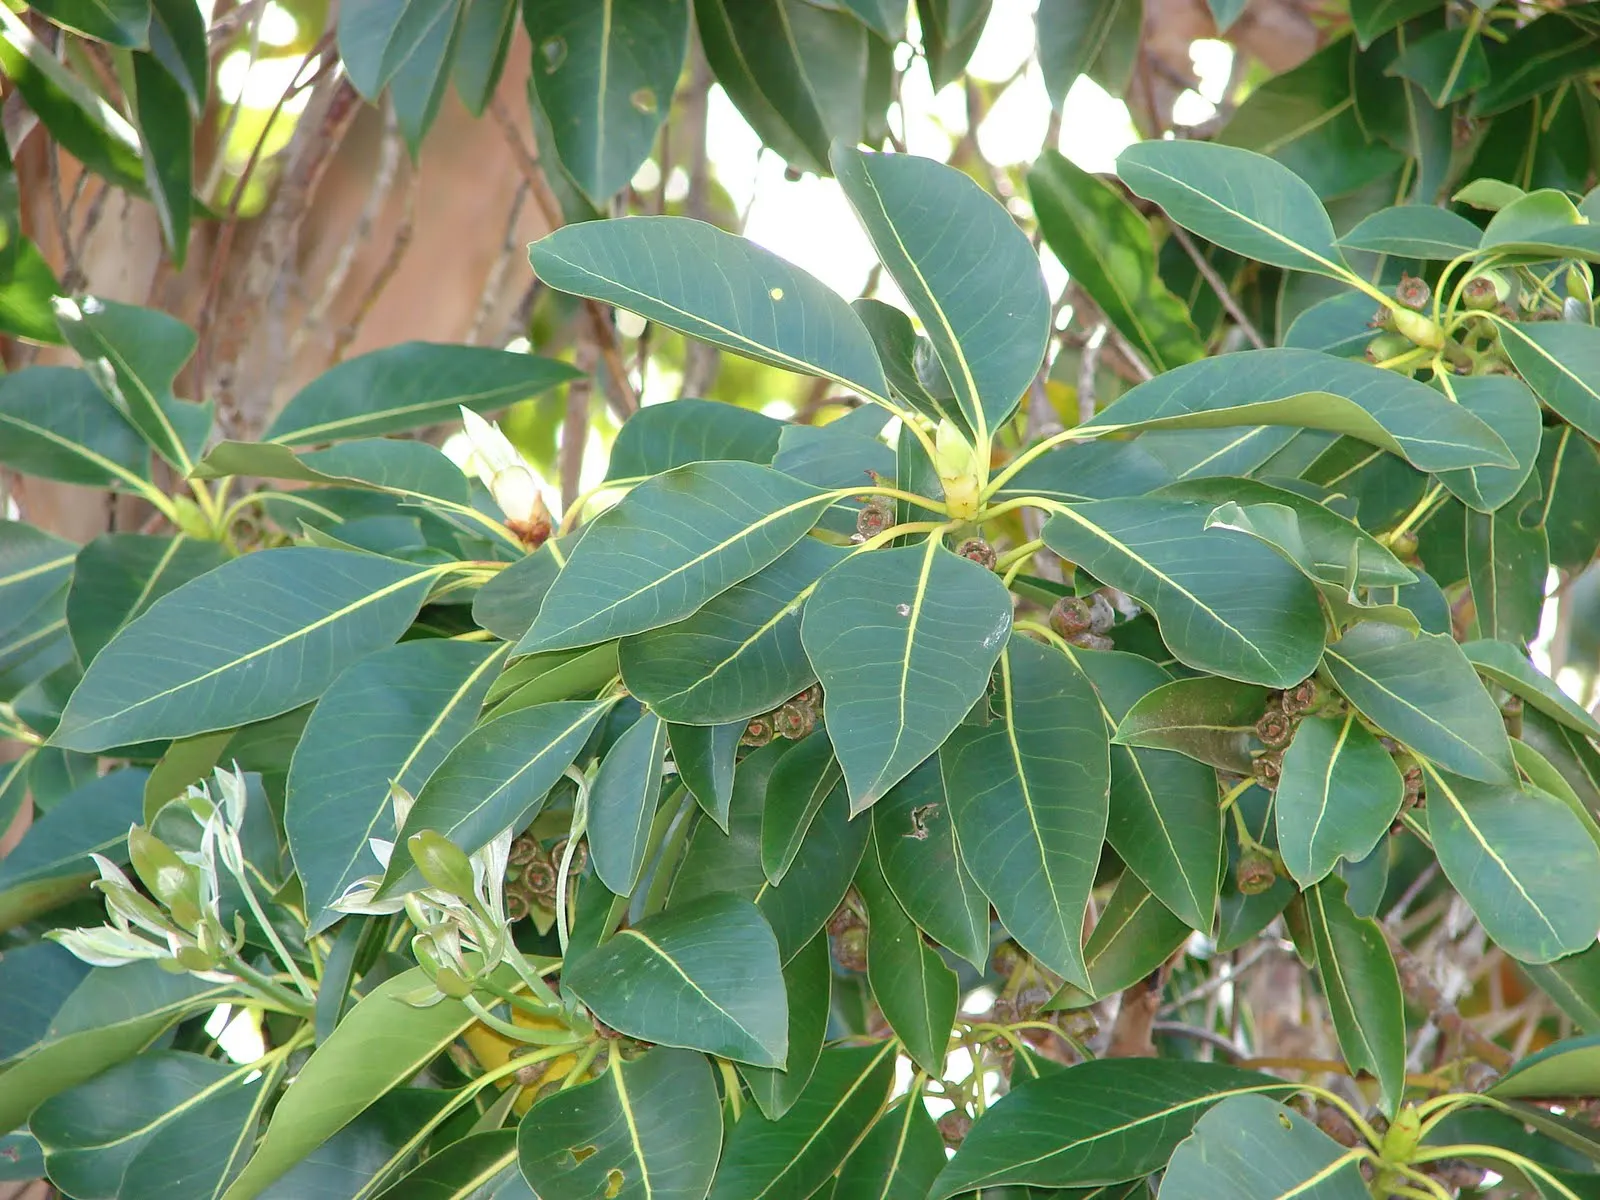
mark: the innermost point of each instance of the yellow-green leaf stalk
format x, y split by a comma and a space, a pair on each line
956, 462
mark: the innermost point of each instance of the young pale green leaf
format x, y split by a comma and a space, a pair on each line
33, 567
391, 717
668, 547
799, 785
717, 287
281, 625
704, 756
415, 384
903, 641
1510, 852
1338, 793
1253, 1148
622, 802
1422, 692
1209, 719
795, 1155
1506, 404
1163, 821
1028, 793
740, 655
898, 1159
1414, 231
1570, 1067
914, 838
481, 1166
1225, 603
664, 436
1307, 389
650, 1128
1362, 987
57, 424
1238, 199
605, 75
1102, 1121
120, 575
559, 675
819, 875
967, 270
1106, 246
916, 991
1135, 934
1509, 667
404, 468
496, 777
1560, 360
808, 983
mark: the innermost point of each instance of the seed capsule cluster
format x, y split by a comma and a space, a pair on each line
1084, 620
794, 719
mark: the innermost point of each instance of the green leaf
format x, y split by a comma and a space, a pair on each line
1510, 851
799, 785
1106, 470
1414, 231
487, 27
120, 575
1374, 18
841, 454
717, 287
1448, 64
1506, 404
1573, 985
288, 621
808, 983
52, 861
1569, 470
903, 641
703, 975
508, 603
419, 85
1507, 666
949, 43
663, 436
794, 1156
1238, 199
1253, 1148
1028, 794
134, 355
1569, 1067
1163, 822
1134, 935
1106, 246
1422, 692
819, 876
916, 991
403, 468
1102, 1121
124, 23
704, 756
380, 1044
668, 547
914, 837
604, 75
29, 285
1507, 565
622, 802
967, 270
376, 39
650, 1128
1561, 362
1337, 796
57, 424
1099, 39
496, 777
911, 365
740, 655
178, 41
417, 383
166, 144
561, 675
481, 1166
718, 860
1225, 603
899, 1157
1209, 719
1362, 987
391, 717
1311, 390
33, 566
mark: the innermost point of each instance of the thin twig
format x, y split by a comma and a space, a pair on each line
494, 282
1195, 1033
399, 244
1222, 978
1420, 988
1409, 897
1209, 274
575, 428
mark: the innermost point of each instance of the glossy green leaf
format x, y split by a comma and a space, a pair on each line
391, 717
420, 383
1337, 796
1028, 793
481, 1166
1308, 389
799, 785
1374, 18
668, 547
913, 369
508, 603
1209, 719
916, 991
120, 575
288, 621
740, 654
487, 29
1414, 231
703, 975
178, 43
604, 75
1569, 1067
704, 757
899, 1157
1099, 39
1229, 605
58, 425
1106, 246
914, 837
52, 862
662, 436
419, 86
950, 35
791, 1158
1508, 667
495, 778
1253, 1148
1505, 403
160, 105
33, 567
124, 23
1418, 690
820, 875
1508, 562
1569, 470
842, 454
560, 675
404, 468
722, 289
1238, 199
376, 39
1561, 362
1102, 1121
1362, 987
1509, 851
622, 802
718, 860
808, 984
967, 270
1134, 935
648, 1129
903, 641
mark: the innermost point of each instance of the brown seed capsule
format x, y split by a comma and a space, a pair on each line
979, 551
874, 518
1268, 767
1413, 292
794, 721
525, 849
953, 1127
1102, 616
539, 882
850, 948
812, 695
1092, 641
1254, 874
1275, 729
1071, 616
1413, 788
1302, 697
517, 906
580, 857
758, 732
1480, 294
844, 917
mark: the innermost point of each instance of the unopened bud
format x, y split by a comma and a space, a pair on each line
172, 881
1255, 873
1387, 346
452, 983
1418, 329
443, 864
